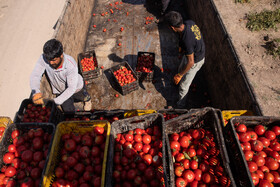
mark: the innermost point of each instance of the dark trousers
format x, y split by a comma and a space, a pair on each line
81, 96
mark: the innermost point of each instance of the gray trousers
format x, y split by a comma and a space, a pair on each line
186, 80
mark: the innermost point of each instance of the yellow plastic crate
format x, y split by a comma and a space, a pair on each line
68, 127
4, 122
228, 114
132, 113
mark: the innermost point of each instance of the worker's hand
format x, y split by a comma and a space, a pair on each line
177, 78
38, 99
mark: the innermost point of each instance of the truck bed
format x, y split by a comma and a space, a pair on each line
137, 36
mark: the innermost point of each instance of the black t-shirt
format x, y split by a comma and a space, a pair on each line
191, 41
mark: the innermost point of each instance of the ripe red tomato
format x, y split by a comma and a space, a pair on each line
84, 152
265, 141
10, 171
198, 174
276, 130
175, 137
138, 138
255, 178
241, 128
260, 174
99, 139
270, 135
186, 163
184, 141
138, 146
269, 177
259, 129
146, 139
256, 145
147, 159
39, 132
252, 166
193, 164
180, 182
36, 173
275, 146
70, 145
99, 130
248, 155
271, 163
76, 137
244, 137
87, 140
265, 183
276, 176
12, 148
188, 175
38, 143
27, 156
179, 171
15, 133
71, 161
174, 146
8, 158
146, 148
259, 160
207, 178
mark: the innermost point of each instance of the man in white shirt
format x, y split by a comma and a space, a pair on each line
62, 70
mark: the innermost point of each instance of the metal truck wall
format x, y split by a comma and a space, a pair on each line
71, 29
227, 81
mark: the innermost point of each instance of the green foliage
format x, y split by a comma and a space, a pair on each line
263, 20
273, 47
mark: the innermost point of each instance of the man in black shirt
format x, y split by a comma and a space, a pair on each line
193, 48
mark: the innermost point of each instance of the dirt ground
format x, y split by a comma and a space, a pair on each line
263, 71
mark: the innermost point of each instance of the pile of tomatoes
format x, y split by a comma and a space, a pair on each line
35, 113
124, 76
138, 158
81, 159
197, 159
145, 63
25, 158
2, 130
261, 148
169, 116
89, 64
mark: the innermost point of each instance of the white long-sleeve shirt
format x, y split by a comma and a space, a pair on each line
64, 81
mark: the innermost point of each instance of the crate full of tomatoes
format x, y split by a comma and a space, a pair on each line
78, 155
29, 112
253, 146
24, 153
169, 114
196, 150
88, 66
136, 154
145, 66
126, 78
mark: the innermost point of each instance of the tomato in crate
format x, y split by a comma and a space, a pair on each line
145, 66
253, 144
25, 152
136, 152
125, 77
196, 150
88, 66
79, 154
